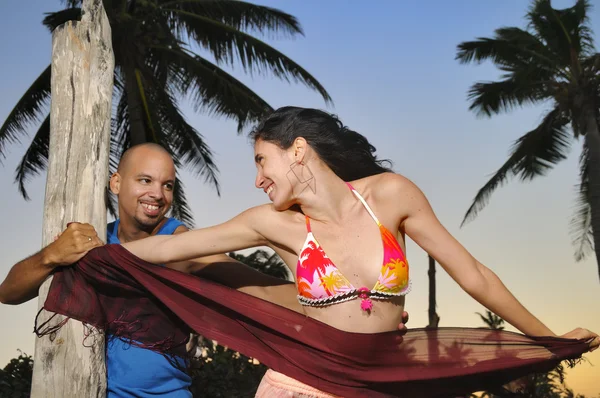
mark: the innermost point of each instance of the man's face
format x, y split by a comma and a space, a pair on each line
144, 187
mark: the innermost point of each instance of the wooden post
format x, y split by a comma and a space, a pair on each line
80, 120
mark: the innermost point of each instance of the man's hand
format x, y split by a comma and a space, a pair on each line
402, 326
71, 245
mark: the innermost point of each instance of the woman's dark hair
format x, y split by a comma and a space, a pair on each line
346, 152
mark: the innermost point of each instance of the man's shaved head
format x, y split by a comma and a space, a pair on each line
135, 152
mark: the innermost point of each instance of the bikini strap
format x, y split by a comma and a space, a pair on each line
364, 202
307, 224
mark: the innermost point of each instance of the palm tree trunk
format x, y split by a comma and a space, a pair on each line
592, 142
433, 346
135, 107
434, 319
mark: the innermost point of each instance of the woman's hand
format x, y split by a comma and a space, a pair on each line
584, 334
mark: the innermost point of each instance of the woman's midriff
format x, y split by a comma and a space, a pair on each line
347, 316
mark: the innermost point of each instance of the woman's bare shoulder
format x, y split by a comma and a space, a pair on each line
267, 217
385, 186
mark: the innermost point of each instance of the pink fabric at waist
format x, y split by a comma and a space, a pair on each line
281, 381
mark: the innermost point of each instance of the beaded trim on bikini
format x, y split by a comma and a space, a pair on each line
351, 295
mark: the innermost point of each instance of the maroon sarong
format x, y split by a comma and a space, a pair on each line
113, 290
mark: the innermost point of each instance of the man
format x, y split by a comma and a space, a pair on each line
144, 184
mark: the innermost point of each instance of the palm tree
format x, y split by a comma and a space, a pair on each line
553, 61
162, 50
491, 320
434, 318
270, 264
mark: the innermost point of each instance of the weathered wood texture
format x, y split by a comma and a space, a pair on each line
82, 84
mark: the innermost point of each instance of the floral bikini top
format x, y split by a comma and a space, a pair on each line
321, 283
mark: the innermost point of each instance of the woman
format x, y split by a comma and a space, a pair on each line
338, 218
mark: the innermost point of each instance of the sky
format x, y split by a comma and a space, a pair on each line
390, 69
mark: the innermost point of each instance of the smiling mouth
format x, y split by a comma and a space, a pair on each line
149, 207
270, 189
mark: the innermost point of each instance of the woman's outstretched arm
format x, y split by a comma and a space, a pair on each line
239, 233
423, 227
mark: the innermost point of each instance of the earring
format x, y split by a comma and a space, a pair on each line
293, 167
299, 174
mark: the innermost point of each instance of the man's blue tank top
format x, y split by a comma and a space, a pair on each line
138, 372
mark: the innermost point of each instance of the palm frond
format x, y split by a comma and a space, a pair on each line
151, 120
563, 31
531, 76
591, 65
491, 320
110, 200
72, 3
483, 318
542, 148
212, 89
580, 227
489, 98
241, 15
578, 23
120, 129
270, 264
527, 48
119, 142
28, 109
54, 19
188, 146
532, 155
35, 159
228, 44
510, 46
180, 208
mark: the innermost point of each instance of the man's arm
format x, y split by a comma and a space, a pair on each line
239, 276
25, 278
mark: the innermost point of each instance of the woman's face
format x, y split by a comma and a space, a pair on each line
274, 173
